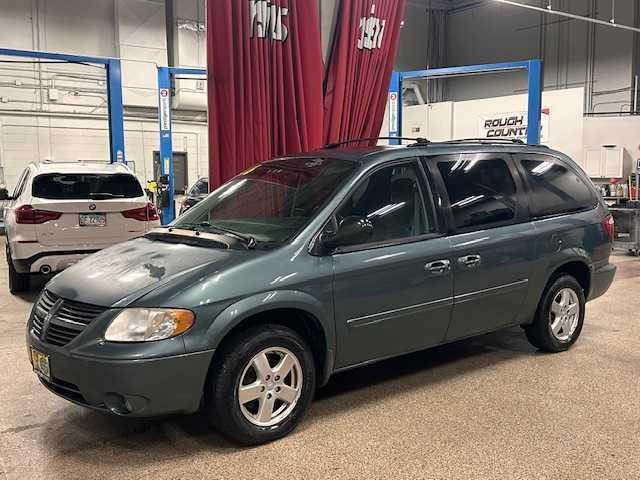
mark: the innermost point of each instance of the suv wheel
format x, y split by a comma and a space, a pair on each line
560, 316
260, 385
18, 282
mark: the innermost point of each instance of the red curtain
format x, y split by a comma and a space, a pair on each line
265, 82
362, 58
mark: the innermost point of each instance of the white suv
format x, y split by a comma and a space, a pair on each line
62, 212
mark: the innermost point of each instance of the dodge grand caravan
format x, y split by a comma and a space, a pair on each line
304, 266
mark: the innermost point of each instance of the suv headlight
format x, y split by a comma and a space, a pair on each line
148, 324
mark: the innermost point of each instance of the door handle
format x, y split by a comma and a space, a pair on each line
470, 261
438, 267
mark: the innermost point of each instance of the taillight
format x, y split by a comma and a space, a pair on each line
28, 214
609, 225
143, 214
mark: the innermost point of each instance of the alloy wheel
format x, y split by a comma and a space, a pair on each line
564, 314
270, 386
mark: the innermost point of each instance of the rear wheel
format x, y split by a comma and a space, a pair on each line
261, 384
18, 282
560, 316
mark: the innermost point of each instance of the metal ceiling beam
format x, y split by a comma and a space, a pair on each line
433, 4
550, 11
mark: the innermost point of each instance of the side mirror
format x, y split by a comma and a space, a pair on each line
351, 231
4, 194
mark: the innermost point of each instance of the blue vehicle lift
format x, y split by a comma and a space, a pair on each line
534, 107
165, 75
114, 91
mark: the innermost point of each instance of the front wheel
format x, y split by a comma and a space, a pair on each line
261, 384
560, 316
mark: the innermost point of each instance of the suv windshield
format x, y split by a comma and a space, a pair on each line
270, 202
82, 186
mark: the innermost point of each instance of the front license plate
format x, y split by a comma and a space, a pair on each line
93, 219
40, 362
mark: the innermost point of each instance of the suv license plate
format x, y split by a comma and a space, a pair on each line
40, 363
93, 220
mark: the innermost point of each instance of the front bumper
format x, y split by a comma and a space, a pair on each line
601, 280
136, 388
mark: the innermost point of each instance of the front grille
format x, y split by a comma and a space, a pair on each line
64, 389
69, 318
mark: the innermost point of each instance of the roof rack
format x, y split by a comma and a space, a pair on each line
486, 140
419, 141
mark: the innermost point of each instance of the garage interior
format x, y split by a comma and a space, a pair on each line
487, 407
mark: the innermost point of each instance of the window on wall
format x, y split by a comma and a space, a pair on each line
554, 188
481, 192
391, 198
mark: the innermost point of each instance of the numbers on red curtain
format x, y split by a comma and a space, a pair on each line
371, 31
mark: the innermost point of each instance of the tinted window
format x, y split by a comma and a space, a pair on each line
554, 188
73, 186
201, 187
481, 192
271, 201
392, 199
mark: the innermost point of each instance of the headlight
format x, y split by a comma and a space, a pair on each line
148, 324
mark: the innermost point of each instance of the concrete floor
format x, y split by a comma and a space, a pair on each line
486, 408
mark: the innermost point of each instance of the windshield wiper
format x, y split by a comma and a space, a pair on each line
104, 196
248, 240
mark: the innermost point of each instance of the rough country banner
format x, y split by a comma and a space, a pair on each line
511, 125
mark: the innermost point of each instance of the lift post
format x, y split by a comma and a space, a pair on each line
534, 85
165, 75
114, 91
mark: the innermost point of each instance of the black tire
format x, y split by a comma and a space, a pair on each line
221, 395
18, 282
539, 332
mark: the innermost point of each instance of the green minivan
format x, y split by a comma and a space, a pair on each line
307, 265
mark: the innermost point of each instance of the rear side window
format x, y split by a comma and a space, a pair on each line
554, 188
481, 192
73, 186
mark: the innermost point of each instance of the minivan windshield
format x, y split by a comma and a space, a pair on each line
270, 202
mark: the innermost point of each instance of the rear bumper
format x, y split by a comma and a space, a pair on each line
132, 388
57, 261
601, 280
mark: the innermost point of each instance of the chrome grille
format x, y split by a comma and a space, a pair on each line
69, 318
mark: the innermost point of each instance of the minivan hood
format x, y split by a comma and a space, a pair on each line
120, 274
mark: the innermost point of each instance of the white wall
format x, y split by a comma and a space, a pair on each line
451, 120
620, 131
565, 117
142, 45
74, 126
569, 131
133, 30
34, 138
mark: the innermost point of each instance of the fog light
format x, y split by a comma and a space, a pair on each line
117, 404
